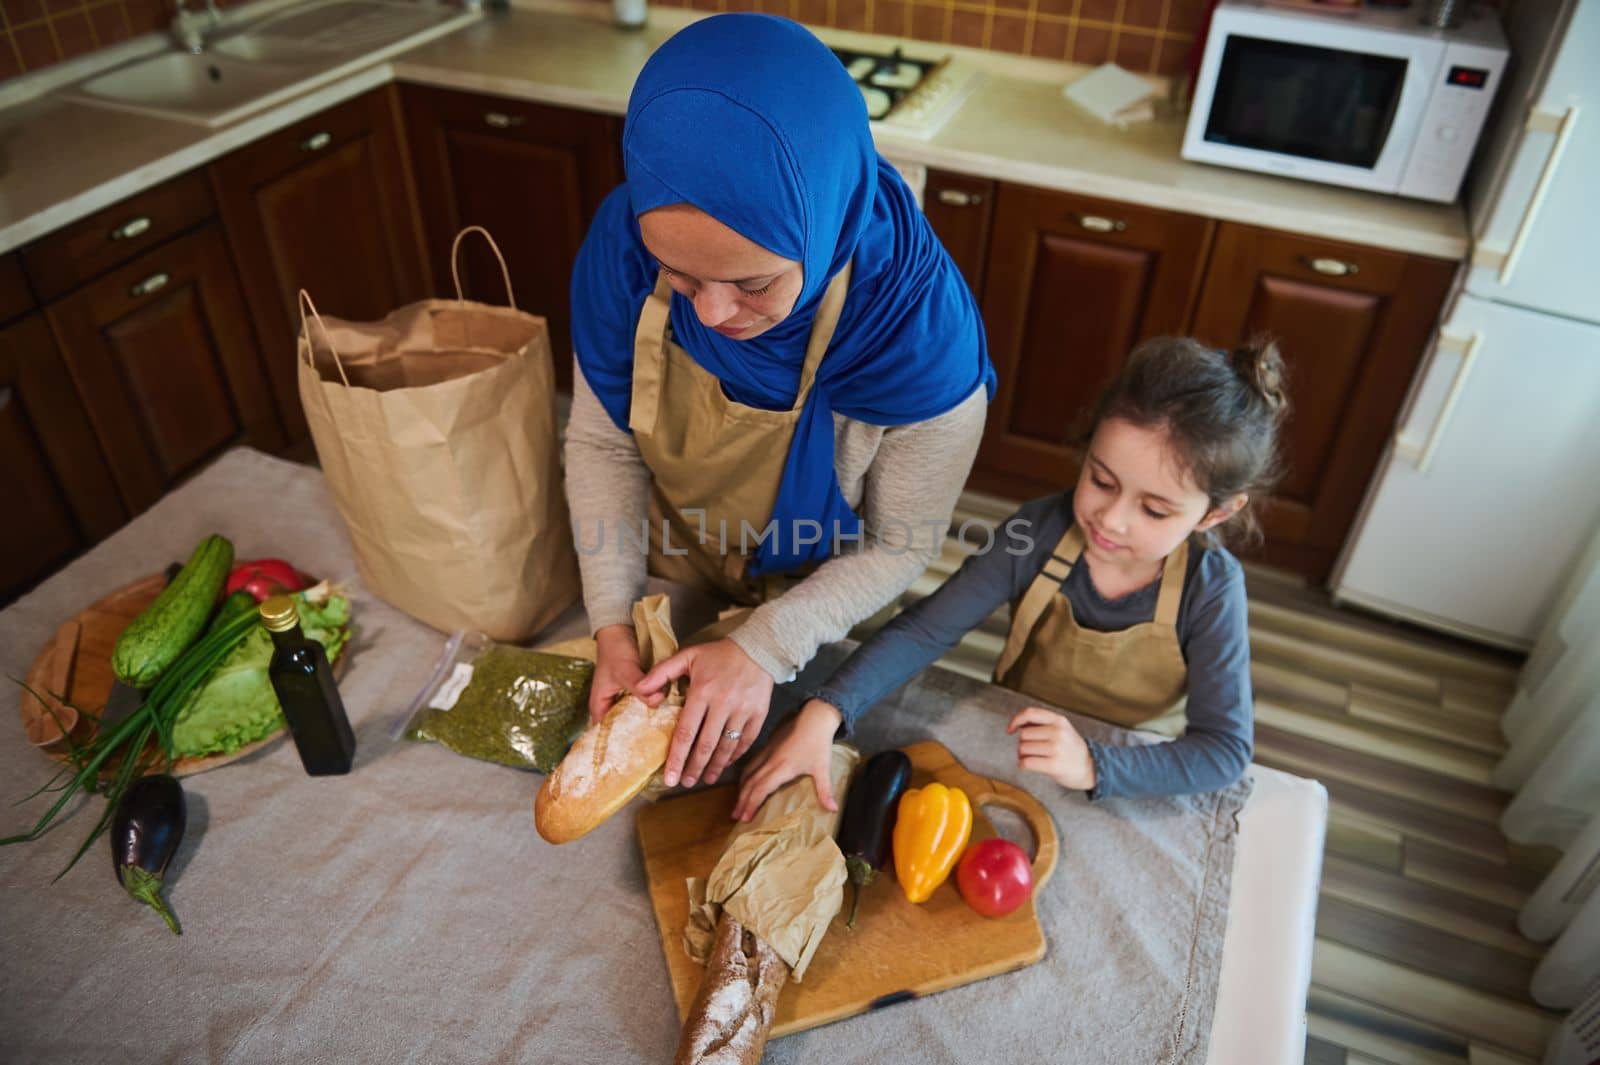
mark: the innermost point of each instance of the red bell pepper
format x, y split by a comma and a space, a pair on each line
264, 578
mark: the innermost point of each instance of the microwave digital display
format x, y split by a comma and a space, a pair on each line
1468, 77
1302, 100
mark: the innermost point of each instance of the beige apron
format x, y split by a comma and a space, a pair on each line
1135, 678
715, 464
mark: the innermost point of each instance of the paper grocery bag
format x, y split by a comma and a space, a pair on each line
436, 430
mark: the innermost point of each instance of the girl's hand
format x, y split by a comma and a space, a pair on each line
1047, 743
802, 746
728, 692
616, 667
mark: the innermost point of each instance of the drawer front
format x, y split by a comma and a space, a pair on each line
106, 239
15, 297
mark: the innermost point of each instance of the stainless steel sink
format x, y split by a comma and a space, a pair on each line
270, 59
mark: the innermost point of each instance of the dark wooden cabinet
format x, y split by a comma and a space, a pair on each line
532, 175
58, 487
961, 211
1073, 283
165, 362
325, 204
1352, 323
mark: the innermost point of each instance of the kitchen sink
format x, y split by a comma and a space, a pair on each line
208, 88
269, 59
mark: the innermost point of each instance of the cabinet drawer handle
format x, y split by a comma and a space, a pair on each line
958, 198
154, 283
1095, 223
501, 120
133, 227
1331, 267
5, 397
317, 141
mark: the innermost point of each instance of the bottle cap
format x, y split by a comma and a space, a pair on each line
278, 613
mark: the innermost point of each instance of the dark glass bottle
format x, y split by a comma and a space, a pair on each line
303, 680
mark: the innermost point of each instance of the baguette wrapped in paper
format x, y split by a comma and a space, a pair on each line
781, 875
616, 758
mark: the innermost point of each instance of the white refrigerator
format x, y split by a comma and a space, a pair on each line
1490, 487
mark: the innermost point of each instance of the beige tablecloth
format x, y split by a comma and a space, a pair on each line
408, 912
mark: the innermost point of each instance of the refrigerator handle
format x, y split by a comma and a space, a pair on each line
1469, 354
1539, 121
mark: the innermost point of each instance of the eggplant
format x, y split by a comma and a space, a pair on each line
867, 825
145, 832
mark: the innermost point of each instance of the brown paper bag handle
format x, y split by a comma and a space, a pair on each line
305, 301
455, 263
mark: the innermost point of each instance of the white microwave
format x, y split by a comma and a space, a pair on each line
1371, 98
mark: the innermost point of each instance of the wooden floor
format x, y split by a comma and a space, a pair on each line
1417, 960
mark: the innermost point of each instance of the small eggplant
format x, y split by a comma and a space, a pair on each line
145, 832
867, 824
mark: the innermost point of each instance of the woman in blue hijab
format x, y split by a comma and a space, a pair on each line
781, 376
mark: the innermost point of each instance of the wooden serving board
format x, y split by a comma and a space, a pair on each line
897, 950
80, 671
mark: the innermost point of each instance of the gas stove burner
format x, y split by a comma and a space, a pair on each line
884, 80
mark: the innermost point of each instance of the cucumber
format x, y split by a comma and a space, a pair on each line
169, 625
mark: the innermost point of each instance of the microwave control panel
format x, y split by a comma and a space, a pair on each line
1458, 105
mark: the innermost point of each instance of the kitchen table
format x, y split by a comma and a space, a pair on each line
408, 911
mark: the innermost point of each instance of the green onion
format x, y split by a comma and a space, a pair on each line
128, 738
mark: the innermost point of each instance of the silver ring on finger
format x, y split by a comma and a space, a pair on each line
732, 734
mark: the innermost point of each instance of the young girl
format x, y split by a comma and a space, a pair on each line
1125, 606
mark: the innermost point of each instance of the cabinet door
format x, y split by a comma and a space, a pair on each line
58, 487
1352, 323
1073, 284
323, 205
531, 175
162, 354
961, 211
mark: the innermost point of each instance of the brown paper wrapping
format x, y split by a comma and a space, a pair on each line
436, 431
781, 874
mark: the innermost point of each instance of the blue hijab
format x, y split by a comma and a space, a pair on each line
754, 121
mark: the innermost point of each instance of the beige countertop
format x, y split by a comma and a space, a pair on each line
61, 160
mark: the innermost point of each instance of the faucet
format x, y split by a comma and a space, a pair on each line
189, 28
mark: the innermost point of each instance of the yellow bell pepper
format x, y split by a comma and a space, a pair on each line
930, 832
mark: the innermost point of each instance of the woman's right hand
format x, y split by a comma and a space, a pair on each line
616, 667
801, 746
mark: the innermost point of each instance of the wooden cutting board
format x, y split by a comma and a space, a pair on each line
896, 950
76, 664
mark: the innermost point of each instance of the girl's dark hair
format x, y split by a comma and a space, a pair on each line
1222, 410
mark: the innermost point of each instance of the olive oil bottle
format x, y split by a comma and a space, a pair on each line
303, 681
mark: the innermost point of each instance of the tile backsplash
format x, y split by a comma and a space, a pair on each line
1144, 36
41, 32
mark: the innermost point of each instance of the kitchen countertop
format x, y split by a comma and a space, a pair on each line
1014, 127
409, 912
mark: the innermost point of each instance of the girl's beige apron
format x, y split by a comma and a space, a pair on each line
1135, 678
715, 464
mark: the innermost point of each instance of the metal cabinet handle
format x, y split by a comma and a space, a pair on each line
1469, 355
154, 283
317, 141
959, 198
1331, 267
133, 227
1095, 223
501, 120
5, 397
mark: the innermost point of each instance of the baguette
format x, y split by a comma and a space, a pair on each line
738, 998
607, 766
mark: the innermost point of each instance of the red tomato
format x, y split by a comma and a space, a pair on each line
995, 877
263, 578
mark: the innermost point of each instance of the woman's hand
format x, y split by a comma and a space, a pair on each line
728, 699
1047, 743
802, 746
616, 667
